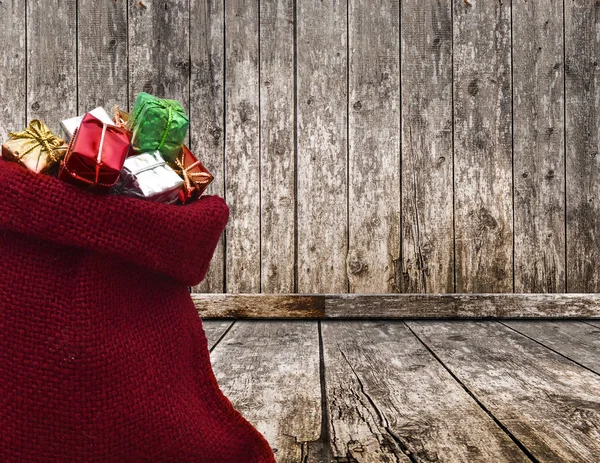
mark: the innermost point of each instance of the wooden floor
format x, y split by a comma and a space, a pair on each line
415, 391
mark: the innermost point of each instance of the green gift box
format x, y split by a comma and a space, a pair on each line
158, 125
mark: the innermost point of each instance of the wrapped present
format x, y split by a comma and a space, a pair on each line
158, 124
69, 126
36, 147
96, 154
195, 176
148, 176
120, 117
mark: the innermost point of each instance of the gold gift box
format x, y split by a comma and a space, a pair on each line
36, 148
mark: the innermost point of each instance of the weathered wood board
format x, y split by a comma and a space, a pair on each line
159, 49
548, 403
427, 148
242, 146
482, 147
215, 329
277, 147
207, 124
538, 156
425, 306
388, 397
102, 55
575, 340
373, 146
51, 61
415, 146
322, 164
582, 125
13, 78
270, 372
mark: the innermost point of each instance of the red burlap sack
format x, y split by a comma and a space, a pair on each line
103, 357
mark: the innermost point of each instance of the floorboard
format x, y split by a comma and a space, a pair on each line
370, 391
547, 402
214, 329
575, 340
270, 372
389, 399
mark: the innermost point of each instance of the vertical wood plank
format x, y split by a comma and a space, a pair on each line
13, 76
207, 22
51, 61
242, 163
427, 196
538, 108
482, 155
322, 145
270, 372
582, 126
159, 49
102, 55
277, 151
374, 145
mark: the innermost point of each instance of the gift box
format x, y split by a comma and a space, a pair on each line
148, 176
69, 126
36, 148
120, 118
96, 154
158, 124
196, 177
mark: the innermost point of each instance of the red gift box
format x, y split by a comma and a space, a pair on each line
96, 154
195, 176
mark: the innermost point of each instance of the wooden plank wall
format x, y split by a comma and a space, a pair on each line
366, 147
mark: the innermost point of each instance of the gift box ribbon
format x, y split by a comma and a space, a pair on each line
39, 132
188, 176
98, 160
147, 168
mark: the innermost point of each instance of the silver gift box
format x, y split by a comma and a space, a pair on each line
68, 126
148, 176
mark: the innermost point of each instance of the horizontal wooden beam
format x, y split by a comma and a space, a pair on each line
409, 306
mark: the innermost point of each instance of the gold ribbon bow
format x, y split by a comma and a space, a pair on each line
188, 176
39, 132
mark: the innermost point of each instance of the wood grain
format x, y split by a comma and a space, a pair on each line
159, 49
574, 339
207, 125
378, 415
102, 55
427, 157
215, 329
582, 100
270, 372
322, 145
482, 152
538, 107
374, 146
51, 61
550, 404
277, 150
242, 155
412, 306
13, 104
